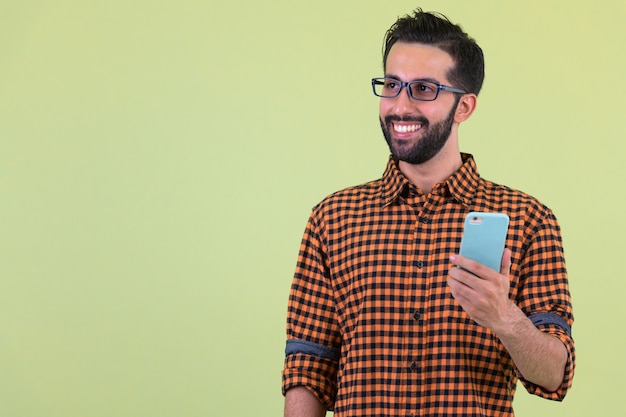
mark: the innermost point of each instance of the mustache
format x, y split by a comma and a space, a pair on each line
395, 118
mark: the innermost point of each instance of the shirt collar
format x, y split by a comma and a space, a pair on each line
462, 184
394, 182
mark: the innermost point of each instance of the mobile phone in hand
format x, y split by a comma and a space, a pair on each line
484, 236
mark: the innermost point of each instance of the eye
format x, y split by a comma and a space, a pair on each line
422, 87
391, 84
423, 90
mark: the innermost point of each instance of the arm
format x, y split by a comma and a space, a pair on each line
484, 295
313, 335
300, 402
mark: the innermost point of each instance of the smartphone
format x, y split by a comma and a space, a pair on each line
484, 235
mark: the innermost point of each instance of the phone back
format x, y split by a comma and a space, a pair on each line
484, 236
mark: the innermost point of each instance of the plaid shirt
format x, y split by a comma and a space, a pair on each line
372, 329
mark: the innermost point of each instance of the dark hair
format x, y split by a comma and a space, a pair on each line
435, 29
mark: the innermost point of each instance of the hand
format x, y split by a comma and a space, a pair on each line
482, 292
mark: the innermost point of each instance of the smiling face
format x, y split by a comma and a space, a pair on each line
416, 131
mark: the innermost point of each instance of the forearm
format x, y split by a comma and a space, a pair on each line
300, 402
540, 357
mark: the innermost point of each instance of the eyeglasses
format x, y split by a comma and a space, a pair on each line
418, 90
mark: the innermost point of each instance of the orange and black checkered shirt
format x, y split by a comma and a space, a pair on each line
372, 329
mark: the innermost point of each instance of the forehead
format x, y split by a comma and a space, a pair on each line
411, 61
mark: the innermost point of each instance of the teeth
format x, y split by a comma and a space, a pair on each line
406, 128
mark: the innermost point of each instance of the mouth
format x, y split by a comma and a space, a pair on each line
400, 127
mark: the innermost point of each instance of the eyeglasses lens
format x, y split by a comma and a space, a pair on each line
423, 90
420, 90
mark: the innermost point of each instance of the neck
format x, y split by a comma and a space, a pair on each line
437, 169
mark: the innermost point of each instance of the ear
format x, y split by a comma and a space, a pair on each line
465, 108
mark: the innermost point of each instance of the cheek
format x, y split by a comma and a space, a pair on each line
384, 107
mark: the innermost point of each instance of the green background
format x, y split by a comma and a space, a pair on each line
159, 159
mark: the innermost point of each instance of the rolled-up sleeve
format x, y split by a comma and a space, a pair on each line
545, 298
313, 337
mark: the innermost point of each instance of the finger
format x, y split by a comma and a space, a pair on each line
463, 278
505, 265
466, 264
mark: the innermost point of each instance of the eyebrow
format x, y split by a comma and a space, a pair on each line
432, 80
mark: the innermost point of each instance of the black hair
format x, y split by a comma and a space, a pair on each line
436, 29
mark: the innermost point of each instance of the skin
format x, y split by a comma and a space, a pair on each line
482, 292
300, 402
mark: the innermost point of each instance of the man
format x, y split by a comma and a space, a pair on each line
384, 317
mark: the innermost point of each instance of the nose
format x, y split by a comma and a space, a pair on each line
403, 103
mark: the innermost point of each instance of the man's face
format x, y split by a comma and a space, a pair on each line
417, 130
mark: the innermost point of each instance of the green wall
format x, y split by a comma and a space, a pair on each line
158, 161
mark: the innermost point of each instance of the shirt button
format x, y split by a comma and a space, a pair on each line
424, 220
417, 315
414, 367
420, 264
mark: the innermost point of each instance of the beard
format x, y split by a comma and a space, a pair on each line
425, 148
